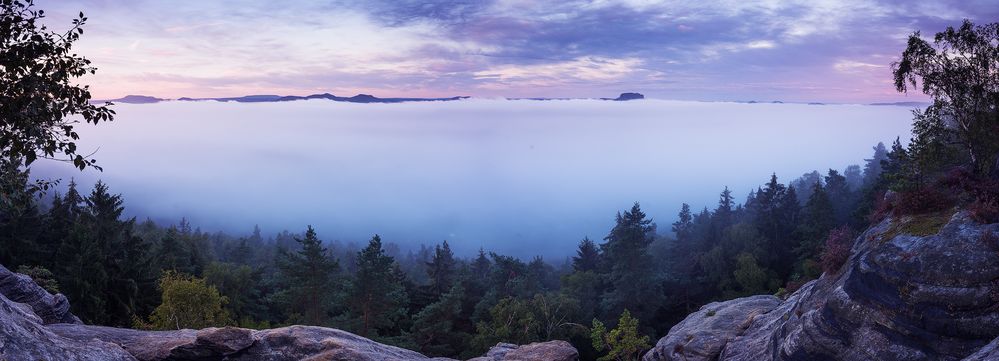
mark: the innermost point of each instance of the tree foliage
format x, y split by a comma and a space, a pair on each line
960, 71
188, 302
41, 103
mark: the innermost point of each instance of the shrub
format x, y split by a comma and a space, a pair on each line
837, 249
985, 206
621, 343
42, 276
882, 208
925, 199
188, 302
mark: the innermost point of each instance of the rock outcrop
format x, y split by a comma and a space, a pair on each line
20, 288
23, 336
35, 325
547, 351
900, 296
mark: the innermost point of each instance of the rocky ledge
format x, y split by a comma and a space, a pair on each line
35, 325
900, 296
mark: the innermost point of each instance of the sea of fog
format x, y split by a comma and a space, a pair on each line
517, 177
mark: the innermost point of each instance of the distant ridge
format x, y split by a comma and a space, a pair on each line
265, 98
904, 104
359, 98
622, 97
136, 99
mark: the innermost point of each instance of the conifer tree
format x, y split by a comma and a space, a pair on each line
441, 270
377, 297
435, 327
587, 256
631, 277
817, 220
310, 276
683, 227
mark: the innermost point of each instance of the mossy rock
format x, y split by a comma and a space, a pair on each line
919, 225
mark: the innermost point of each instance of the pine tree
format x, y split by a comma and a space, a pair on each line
839, 193
441, 270
173, 253
377, 298
872, 167
310, 277
435, 327
683, 227
123, 256
818, 219
631, 278
587, 256
723, 214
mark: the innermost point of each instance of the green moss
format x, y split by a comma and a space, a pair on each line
710, 313
919, 225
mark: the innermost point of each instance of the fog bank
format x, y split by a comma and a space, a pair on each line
517, 177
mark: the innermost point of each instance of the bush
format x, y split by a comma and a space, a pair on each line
621, 343
188, 302
42, 276
985, 206
837, 249
925, 199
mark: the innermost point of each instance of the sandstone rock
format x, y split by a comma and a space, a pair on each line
320, 344
703, 334
23, 337
539, 351
20, 288
899, 297
988, 353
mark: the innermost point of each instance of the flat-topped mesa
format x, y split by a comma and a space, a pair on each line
36, 325
899, 296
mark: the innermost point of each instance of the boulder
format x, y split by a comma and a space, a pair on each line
21, 288
988, 353
914, 288
23, 337
539, 351
703, 334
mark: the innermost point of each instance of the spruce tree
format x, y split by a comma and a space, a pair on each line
587, 256
441, 270
435, 327
377, 298
818, 218
632, 279
310, 277
683, 227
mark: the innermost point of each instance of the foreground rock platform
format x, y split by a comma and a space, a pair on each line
899, 297
36, 325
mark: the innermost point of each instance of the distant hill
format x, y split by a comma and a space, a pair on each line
622, 97
360, 98
137, 99
904, 104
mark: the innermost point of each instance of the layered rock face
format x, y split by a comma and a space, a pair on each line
898, 297
35, 325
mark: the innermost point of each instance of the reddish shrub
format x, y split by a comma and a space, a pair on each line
984, 210
984, 207
882, 208
793, 286
837, 249
925, 199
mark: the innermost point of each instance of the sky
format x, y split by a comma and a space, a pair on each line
800, 51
